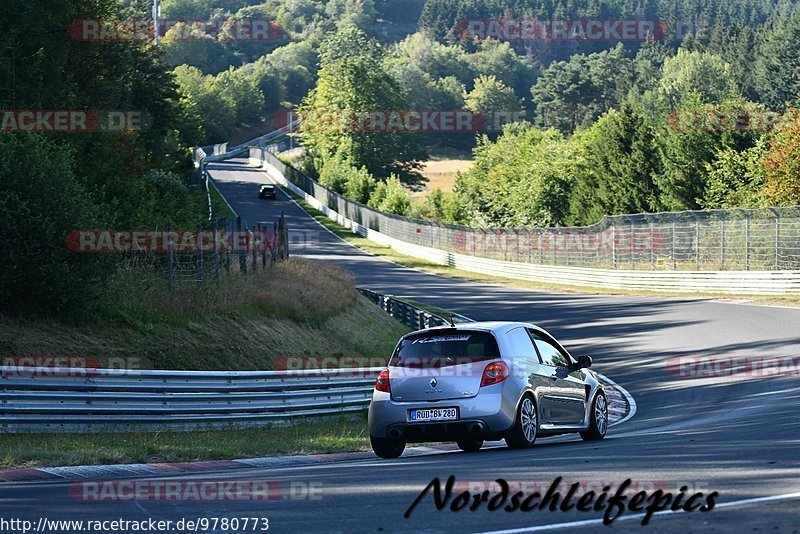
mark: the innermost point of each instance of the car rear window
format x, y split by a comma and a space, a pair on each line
442, 349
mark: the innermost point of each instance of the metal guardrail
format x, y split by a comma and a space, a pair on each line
407, 313
35, 399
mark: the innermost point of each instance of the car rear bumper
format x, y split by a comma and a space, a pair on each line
486, 415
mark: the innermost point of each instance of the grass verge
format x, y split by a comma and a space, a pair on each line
390, 254
296, 308
328, 435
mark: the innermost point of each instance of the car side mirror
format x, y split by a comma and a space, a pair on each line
584, 362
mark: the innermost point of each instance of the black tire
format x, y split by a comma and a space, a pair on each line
598, 419
386, 447
470, 444
523, 434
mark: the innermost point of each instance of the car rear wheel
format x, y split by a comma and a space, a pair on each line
470, 444
598, 419
387, 447
523, 434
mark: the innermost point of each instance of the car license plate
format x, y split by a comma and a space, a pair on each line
433, 414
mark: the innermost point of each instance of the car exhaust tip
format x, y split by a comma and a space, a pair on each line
476, 428
395, 433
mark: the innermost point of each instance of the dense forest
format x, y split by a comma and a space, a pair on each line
704, 116
699, 117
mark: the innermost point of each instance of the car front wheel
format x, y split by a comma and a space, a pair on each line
523, 434
598, 419
386, 447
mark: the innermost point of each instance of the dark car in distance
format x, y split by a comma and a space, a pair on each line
267, 191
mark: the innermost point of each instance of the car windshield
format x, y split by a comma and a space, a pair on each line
442, 349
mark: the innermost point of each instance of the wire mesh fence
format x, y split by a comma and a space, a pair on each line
732, 239
227, 246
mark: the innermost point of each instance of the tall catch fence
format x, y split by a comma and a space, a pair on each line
761, 239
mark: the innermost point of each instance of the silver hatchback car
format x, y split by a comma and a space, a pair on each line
483, 381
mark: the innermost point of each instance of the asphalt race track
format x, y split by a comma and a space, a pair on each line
739, 436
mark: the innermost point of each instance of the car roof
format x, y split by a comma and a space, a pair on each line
266, 185
496, 327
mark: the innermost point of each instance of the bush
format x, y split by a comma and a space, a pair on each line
40, 203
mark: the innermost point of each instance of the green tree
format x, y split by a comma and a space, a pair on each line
735, 178
349, 86
494, 101
622, 164
390, 196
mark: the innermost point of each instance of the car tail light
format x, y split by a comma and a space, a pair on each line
494, 373
382, 384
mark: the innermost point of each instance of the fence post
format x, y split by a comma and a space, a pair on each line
227, 249
631, 247
273, 255
613, 245
200, 263
170, 261
777, 236
263, 229
722, 242
254, 252
696, 242
242, 253
215, 257
672, 253
652, 247
746, 241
